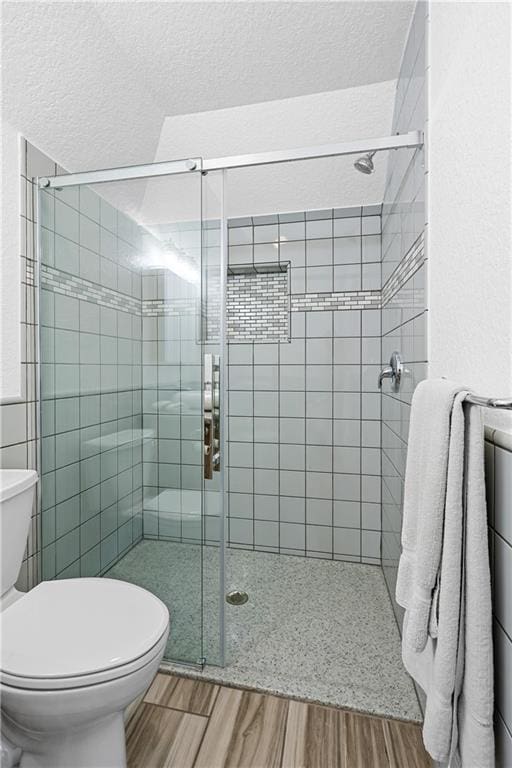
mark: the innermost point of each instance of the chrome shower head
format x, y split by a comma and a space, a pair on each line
365, 163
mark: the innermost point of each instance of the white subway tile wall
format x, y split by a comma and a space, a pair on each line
91, 384
304, 413
403, 288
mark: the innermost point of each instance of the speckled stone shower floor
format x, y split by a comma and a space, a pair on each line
318, 630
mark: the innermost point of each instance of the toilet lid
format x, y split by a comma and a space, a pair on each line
78, 627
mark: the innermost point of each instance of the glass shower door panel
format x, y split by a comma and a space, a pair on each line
172, 410
176, 387
90, 374
121, 379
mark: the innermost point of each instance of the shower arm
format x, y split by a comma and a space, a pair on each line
413, 140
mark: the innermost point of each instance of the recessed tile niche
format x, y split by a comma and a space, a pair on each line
258, 302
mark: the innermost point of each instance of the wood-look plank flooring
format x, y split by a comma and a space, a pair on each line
185, 723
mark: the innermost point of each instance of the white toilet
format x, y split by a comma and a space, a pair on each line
74, 653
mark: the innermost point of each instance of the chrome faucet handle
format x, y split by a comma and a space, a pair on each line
386, 373
393, 371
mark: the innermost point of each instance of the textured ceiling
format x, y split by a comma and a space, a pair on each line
91, 83
302, 121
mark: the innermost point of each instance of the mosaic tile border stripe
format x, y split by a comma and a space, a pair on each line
410, 263
318, 302
56, 281
407, 298
172, 308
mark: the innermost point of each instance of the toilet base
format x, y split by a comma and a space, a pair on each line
99, 745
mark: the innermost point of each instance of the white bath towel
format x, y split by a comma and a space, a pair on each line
424, 504
447, 638
475, 743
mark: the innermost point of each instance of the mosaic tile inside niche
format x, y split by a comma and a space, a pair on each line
258, 304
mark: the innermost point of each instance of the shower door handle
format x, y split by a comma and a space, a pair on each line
211, 415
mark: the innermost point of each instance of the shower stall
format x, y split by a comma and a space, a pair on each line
210, 417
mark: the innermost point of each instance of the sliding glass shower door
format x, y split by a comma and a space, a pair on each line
130, 488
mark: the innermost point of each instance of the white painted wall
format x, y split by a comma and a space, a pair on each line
10, 250
469, 198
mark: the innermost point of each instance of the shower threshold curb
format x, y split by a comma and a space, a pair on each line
209, 674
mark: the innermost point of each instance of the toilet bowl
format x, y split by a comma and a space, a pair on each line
74, 654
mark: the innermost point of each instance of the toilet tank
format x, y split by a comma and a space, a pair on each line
17, 491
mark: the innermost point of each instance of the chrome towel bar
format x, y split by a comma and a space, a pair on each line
396, 370
490, 402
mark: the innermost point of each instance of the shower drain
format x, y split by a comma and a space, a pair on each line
237, 597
